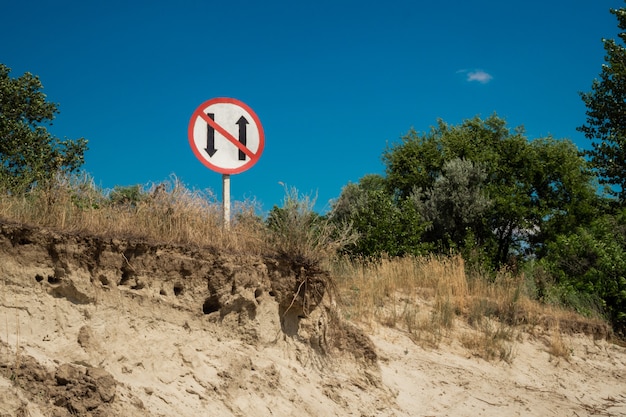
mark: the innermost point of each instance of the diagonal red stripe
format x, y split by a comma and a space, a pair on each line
226, 134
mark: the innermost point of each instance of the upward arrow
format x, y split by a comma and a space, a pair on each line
242, 122
210, 137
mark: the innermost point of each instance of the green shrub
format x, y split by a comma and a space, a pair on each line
385, 225
589, 268
129, 196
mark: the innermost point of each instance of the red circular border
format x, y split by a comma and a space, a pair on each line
200, 155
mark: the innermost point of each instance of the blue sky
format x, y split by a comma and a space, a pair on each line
332, 81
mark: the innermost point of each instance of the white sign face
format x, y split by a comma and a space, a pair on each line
226, 135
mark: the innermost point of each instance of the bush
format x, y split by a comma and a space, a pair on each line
128, 196
385, 225
297, 232
589, 268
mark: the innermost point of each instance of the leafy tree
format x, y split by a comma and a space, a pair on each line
456, 203
354, 196
589, 264
606, 107
29, 154
536, 189
563, 191
383, 223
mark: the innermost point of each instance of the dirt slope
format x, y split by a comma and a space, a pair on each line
94, 326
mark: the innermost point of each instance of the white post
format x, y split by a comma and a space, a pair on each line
226, 199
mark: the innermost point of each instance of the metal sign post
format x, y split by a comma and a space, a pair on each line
226, 199
227, 137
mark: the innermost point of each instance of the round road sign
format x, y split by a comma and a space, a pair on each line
226, 135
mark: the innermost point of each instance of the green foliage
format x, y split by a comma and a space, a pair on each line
28, 153
517, 194
563, 191
128, 196
384, 224
456, 203
589, 264
606, 106
84, 193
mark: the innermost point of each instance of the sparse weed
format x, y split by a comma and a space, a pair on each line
557, 347
492, 341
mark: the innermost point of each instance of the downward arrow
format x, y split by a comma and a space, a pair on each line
242, 122
210, 137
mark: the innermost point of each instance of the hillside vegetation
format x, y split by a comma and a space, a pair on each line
423, 295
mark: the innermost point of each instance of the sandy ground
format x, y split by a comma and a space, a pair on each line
449, 381
71, 345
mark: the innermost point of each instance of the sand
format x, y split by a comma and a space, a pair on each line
131, 335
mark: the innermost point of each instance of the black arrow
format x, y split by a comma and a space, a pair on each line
242, 122
210, 137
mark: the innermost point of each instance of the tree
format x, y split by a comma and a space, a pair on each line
385, 225
29, 154
606, 107
456, 203
536, 189
589, 268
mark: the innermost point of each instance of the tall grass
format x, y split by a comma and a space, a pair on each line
421, 295
433, 299
378, 288
297, 232
168, 212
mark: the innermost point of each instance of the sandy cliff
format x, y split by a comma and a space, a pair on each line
95, 326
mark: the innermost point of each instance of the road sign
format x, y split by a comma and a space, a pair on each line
226, 135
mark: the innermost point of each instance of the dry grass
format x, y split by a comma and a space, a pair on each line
433, 299
169, 212
420, 295
557, 346
372, 290
300, 234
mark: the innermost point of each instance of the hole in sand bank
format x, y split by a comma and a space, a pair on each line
258, 292
38, 278
211, 305
126, 276
178, 289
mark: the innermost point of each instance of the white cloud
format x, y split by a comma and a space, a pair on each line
480, 76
